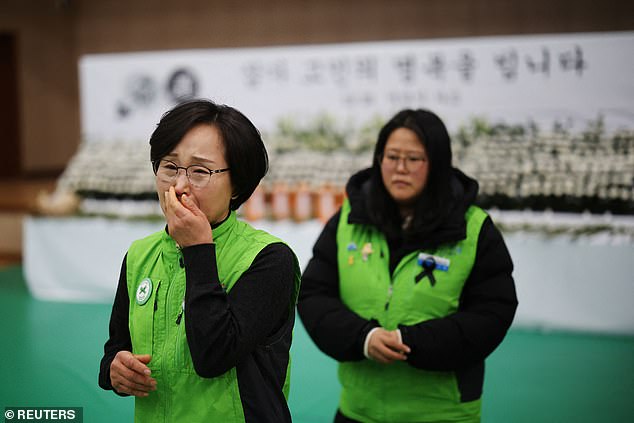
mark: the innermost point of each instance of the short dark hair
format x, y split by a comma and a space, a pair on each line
435, 200
245, 152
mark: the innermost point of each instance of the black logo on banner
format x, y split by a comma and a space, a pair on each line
141, 91
182, 85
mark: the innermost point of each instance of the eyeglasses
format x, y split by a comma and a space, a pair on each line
412, 163
198, 175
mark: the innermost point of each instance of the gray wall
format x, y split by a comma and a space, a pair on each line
52, 34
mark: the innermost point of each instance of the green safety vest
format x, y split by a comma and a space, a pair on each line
157, 329
398, 392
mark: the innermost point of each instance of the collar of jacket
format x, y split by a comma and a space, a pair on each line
452, 229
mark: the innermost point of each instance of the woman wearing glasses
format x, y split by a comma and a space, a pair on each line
203, 314
410, 284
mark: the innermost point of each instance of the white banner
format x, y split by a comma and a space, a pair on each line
570, 79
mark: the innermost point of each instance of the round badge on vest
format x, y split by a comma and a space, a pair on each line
144, 291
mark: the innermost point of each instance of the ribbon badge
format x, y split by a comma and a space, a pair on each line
430, 263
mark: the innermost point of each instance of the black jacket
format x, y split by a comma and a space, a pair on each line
459, 342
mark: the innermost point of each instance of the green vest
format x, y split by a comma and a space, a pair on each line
157, 325
398, 392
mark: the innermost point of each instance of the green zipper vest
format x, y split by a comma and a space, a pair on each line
156, 288
374, 392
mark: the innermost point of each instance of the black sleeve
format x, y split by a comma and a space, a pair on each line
223, 328
487, 307
335, 329
119, 332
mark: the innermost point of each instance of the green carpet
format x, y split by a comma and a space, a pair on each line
50, 357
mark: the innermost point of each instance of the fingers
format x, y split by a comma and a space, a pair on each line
186, 222
137, 363
189, 204
132, 388
184, 209
128, 381
386, 347
143, 358
384, 354
173, 206
130, 375
393, 341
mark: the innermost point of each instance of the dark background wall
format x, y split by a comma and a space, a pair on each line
42, 40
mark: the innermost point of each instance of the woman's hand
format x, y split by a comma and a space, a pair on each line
186, 223
386, 346
129, 374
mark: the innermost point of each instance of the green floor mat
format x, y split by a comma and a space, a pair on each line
50, 357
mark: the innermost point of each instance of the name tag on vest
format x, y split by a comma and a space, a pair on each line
441, 263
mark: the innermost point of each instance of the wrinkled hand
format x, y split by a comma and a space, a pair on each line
186, 223
130, 375
385, 347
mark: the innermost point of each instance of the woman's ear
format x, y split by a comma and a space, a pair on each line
234, 192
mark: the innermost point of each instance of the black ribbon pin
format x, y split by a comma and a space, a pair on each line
428, 265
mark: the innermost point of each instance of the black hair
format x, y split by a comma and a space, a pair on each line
245, 153
434, 203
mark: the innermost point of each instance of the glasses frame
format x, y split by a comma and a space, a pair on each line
157, 163
404, 159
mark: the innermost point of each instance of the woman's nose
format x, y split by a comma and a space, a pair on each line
181, 183
401, 164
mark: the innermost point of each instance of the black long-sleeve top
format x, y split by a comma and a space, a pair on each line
241, 328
